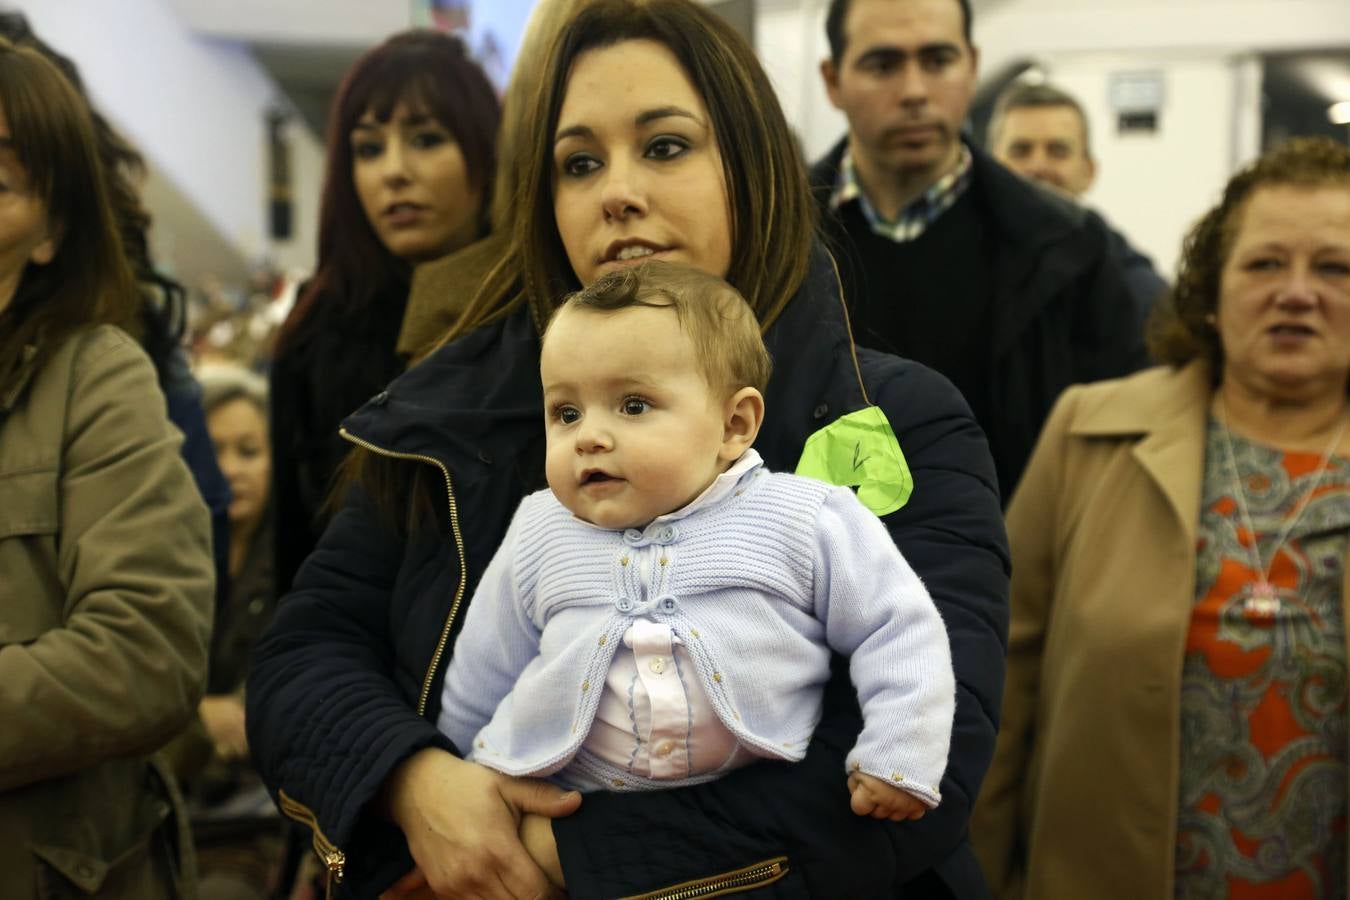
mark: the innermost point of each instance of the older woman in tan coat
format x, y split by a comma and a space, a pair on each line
106, 575
1174, 723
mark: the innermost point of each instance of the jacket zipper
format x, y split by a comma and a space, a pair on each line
459, 547
333, 858
758, 875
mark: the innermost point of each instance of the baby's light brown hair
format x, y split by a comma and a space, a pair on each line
718, 321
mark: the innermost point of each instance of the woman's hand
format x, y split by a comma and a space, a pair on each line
223, 717
462, 823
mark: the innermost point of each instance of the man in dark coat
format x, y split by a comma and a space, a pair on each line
946, 257
1042, 133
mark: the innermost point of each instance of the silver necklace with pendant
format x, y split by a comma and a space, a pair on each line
1261, 597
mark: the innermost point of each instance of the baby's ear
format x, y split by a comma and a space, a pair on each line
742, 417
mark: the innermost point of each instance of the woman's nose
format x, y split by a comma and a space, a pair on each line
394, 163
622, 195
1297, 293
229, 466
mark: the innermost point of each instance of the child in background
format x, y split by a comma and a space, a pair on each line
666, 611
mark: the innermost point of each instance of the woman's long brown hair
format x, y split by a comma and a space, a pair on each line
88, 281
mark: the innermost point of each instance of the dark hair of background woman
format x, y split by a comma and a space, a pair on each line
163, 319
358, 280
88, 281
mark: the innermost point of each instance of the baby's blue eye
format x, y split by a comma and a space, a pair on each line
634, 406
569, 415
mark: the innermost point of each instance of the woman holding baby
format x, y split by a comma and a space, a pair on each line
658, 135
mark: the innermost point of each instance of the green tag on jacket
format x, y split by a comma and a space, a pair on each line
860, 449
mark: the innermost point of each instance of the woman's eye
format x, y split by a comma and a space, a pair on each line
1262, 264
579, 164
1335, 267
425, 140
366, 150
666, 148
635, 406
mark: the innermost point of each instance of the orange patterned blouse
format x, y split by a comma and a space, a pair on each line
1263, 691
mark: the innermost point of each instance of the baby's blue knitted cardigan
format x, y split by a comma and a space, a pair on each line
758, 586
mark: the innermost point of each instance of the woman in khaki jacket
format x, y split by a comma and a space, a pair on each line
1174, 722
106, 576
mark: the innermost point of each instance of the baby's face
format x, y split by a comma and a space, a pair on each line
634, 430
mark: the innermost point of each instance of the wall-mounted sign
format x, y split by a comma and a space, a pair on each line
1137, 99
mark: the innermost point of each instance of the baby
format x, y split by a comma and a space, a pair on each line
666, 611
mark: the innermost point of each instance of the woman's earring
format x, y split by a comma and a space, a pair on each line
1211, 320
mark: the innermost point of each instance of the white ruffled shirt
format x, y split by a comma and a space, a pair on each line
654, 718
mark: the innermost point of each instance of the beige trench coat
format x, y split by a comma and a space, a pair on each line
106, 592
1081, 800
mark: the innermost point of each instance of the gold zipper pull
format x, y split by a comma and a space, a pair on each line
333, 858
336, 863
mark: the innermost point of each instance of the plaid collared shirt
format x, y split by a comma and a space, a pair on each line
921, 212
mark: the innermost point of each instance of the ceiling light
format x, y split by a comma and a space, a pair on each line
1339, 113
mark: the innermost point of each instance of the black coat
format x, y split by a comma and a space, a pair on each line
330, 366
337, 679
1062, 308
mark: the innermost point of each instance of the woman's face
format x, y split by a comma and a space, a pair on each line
1284, 292
24, 233
637, 172
239, 433
414, 184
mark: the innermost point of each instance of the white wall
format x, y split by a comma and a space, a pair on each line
790, 41
344, 22
194, 107
1019, 28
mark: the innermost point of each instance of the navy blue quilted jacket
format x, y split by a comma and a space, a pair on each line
347, 682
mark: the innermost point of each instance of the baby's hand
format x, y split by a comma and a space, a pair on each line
873, 797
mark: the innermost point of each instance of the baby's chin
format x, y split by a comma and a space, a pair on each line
614, 523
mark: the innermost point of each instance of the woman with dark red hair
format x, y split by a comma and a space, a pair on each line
411, 159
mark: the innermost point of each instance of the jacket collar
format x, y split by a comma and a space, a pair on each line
1023, 213
474, 400
1169, 417
478, 398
